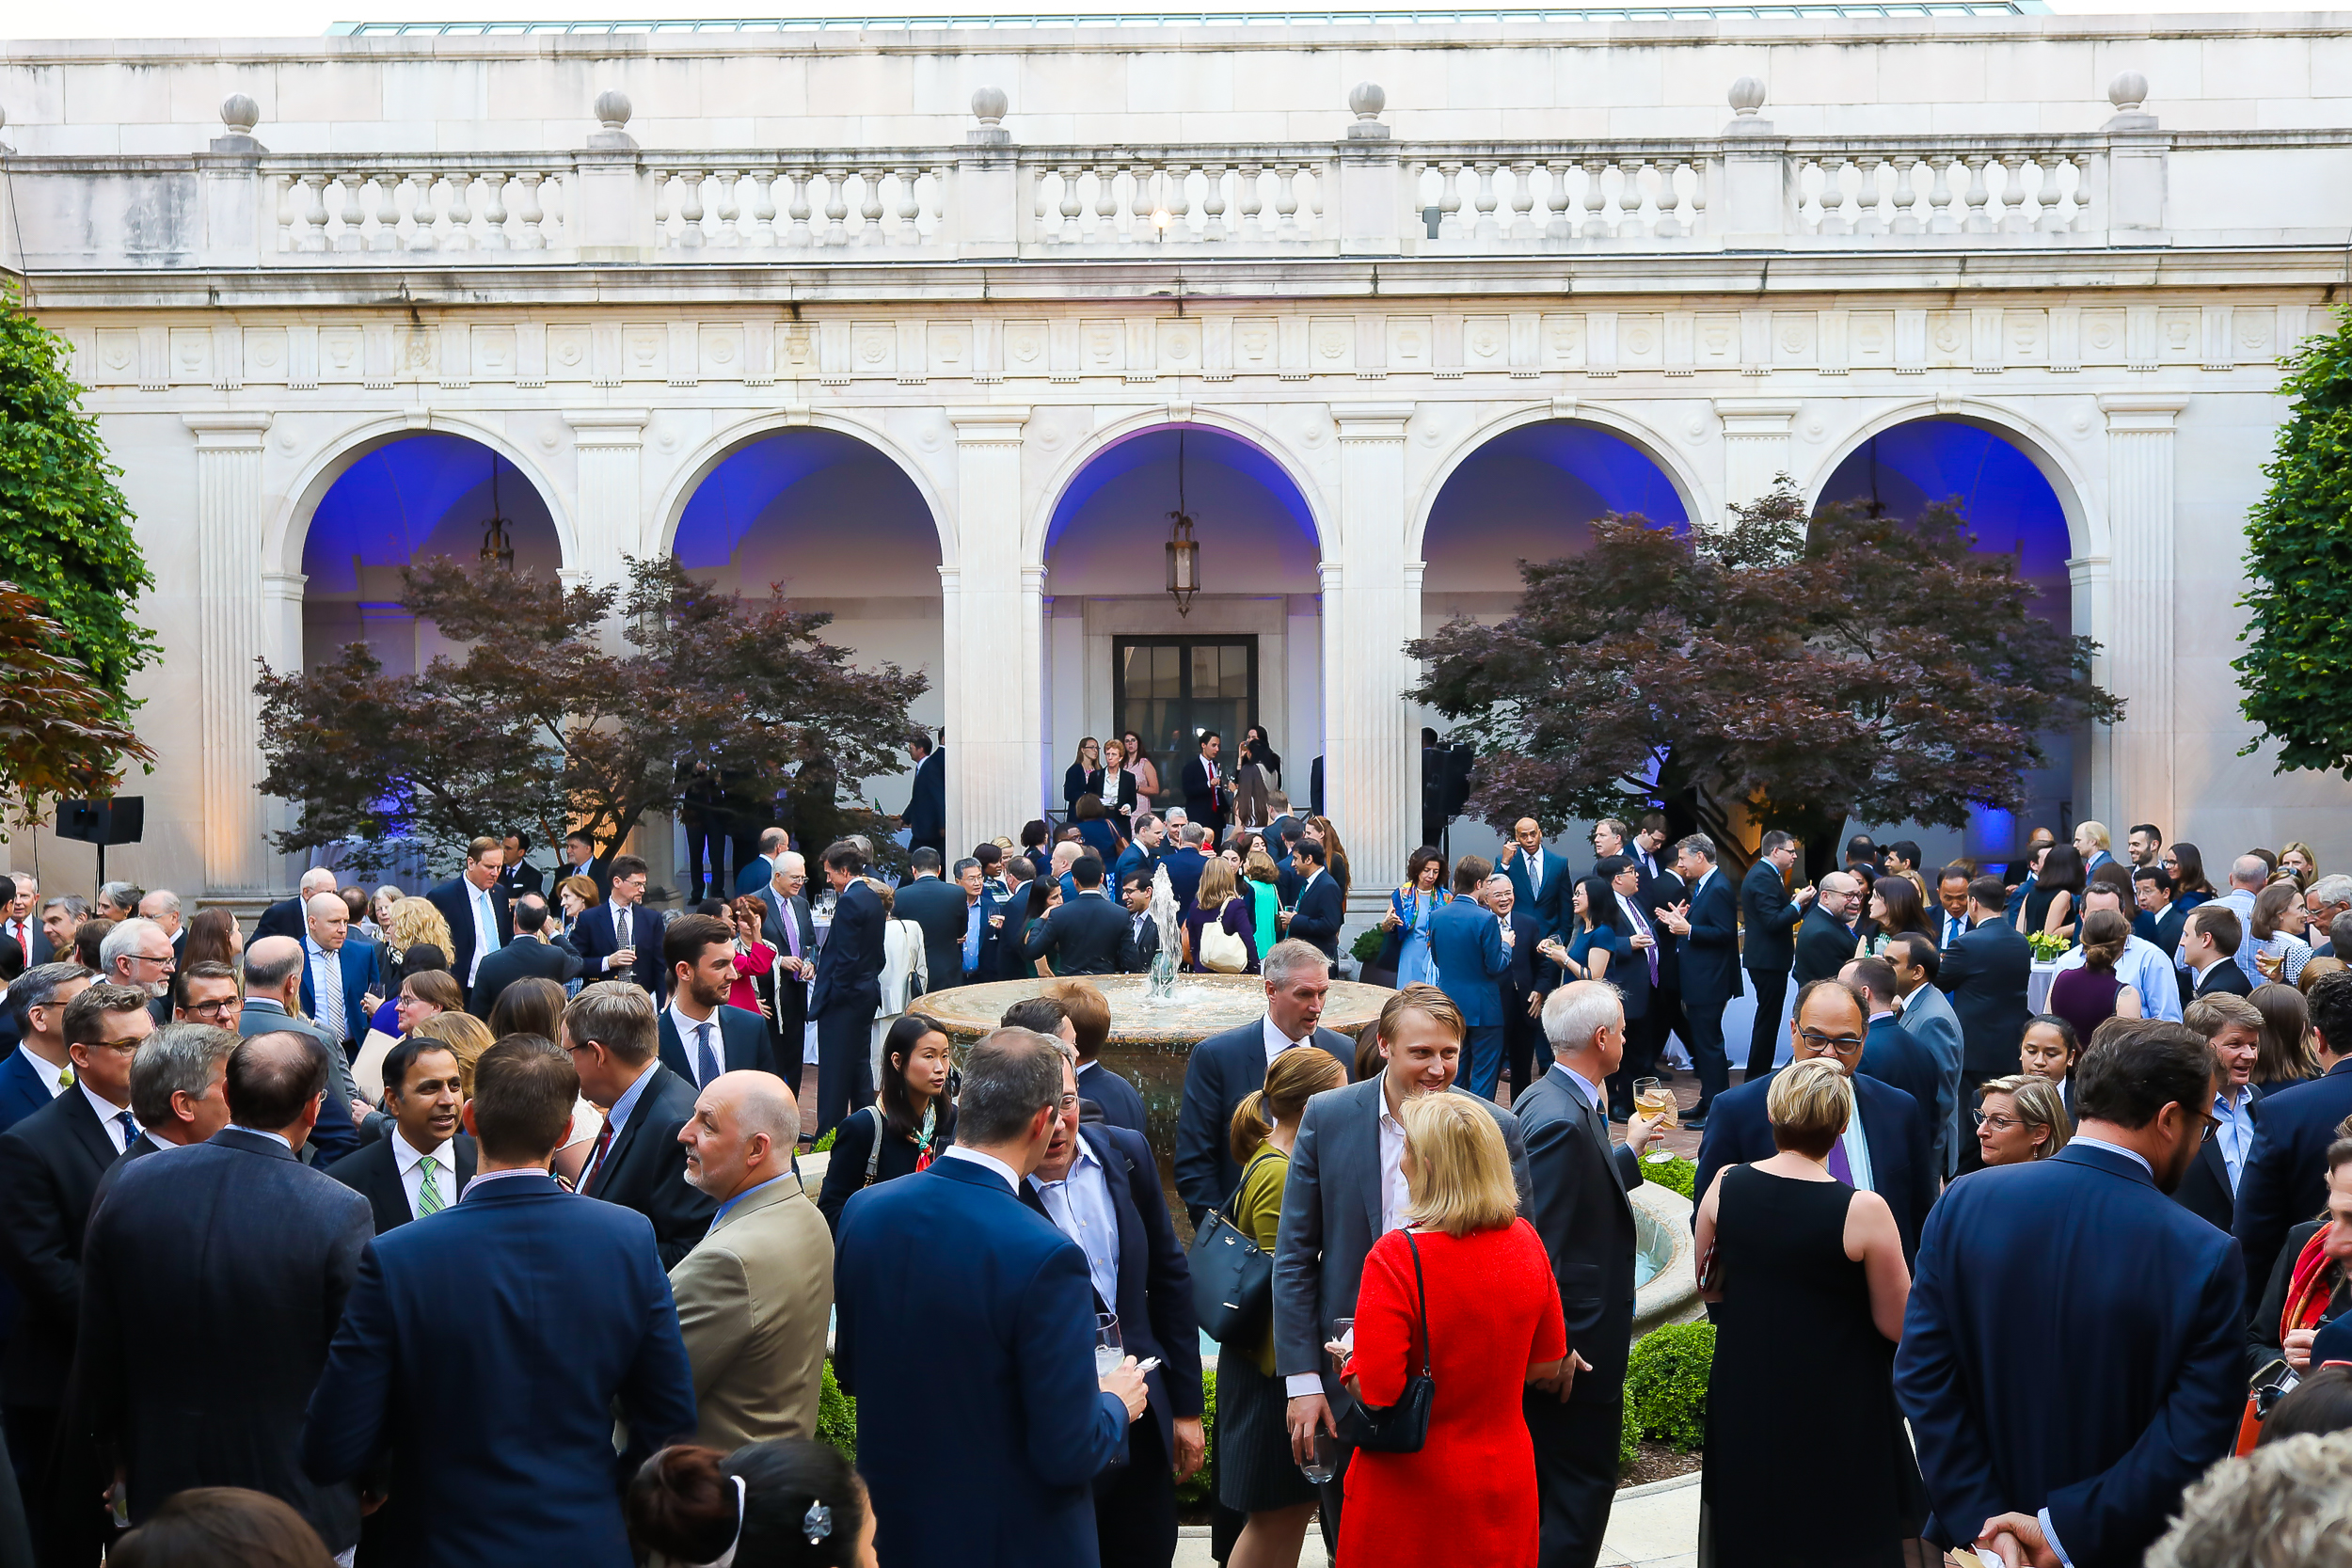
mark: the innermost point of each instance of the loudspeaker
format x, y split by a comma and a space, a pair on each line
120, 821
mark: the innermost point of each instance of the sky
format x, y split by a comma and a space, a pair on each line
131, 19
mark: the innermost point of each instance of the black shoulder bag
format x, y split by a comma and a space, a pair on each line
1402, 1427
1232, 1276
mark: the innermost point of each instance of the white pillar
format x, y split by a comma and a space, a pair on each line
232, 633
994, 636
2140, 641
1756, 447
1371, 607
610, 521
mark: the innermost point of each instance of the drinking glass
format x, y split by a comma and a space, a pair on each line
1108, 1350
1652, 1098
1323, 1463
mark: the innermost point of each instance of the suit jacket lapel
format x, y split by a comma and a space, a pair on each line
1131, 1261
1376, 1105
91, 1130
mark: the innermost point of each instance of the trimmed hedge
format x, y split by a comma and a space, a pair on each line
1665, 1383
1203, 1486
1677, 1174
824, 1144
836, 1416
1628, 1441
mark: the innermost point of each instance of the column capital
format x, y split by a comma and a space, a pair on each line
238, 429
1756, 416
1373, 421
607, 427
285, 585
2141, 411
988, 426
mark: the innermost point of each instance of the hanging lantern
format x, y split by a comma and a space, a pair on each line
1183, 551
498, 545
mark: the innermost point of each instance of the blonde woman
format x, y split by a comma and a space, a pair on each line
2298, 860
1117, 787
412, 923
2021, 1119
1783, 1242
1255, 1473
1466, 1287
1218, 902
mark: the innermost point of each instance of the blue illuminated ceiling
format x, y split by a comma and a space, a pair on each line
427, 494
756, 487
1203, 448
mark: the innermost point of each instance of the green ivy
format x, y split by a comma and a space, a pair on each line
1203, 1486
1665, 1383
2297, 669
65, 528
836, 1416
1675, 1175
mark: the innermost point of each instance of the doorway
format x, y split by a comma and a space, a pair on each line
1167, 689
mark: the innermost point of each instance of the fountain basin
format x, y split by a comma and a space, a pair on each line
1665, 1264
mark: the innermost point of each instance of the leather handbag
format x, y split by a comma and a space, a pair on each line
1402, 1427
1221, 951
1232, 1276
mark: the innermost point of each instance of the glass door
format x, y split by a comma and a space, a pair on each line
1168, 689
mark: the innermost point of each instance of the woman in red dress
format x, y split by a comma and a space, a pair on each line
1492, 1326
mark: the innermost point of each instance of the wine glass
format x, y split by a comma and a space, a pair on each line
1108, 1350
1322, 1460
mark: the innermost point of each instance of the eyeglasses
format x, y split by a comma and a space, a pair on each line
210, 1009
1841, 1044
127, 1048
1998, 1122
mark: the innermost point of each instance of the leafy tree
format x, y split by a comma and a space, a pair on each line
65, 528
59, 733
542, 721
1804, 669
2297, 669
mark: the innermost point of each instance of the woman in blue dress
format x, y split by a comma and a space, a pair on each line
1598, 940
1410, 909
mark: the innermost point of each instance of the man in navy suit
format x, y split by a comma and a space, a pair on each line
425, 1162
1888, 1152
475, 904
1770, 913
40, 1068
1706, 925
926, 816
1889, 1052
1639, 982
341, 967
288, 916
1185, 863
937, 907
1100, 1187
701, 1035
529, 955
847, 993
620, 939
1226, 1069
1984, 973
1824, 941
1466, 943
2234, 1027
1088, 934
2071, 1429
1539, 878
579, 860
1524, 984
1141, 853
2211, 937
985, 1458
2285, 1176
636, 1162
231, 1240
1322, 906
1207, 789
501, 1434
752, 877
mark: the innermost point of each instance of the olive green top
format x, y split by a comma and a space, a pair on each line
1258, 1214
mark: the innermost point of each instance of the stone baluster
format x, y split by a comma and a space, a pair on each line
837, 205
1071, 207
1831, 201
1485, 229
494, 212
460, 211
1176, 202
1595, 200
1556, 225
347, 186
1450, 202
870, 211
422, 216
764, 207
1870, 216
1941, 218
1631, 198
910, 206
313, 211
2053, 220
1286, 202
1105, 204
798, 235
1213, 203
528, 212
383, 231
2008, 208
1904, 194
690, 235
729, 211
1250, 196
1979, 193
1670, 224
1698, 198
1524, 201
1140, 178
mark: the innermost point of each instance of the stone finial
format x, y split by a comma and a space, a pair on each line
1747, 96
614, 109
1366, 100
2127, 92
240, 114
988, 106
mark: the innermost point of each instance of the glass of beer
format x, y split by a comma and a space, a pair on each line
1653, 1098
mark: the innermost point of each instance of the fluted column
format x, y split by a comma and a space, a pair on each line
233, 634
995, 637
1371, 607
2139, 643
610, 519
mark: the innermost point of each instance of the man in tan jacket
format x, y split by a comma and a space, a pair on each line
756, 1293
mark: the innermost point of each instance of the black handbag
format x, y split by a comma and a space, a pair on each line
1402, 1427
1232, 1276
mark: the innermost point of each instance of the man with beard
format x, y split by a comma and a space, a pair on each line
701, 1035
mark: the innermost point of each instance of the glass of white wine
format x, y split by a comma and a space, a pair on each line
1653, 1098
1109, 1351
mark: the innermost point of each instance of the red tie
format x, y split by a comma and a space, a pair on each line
595, 1156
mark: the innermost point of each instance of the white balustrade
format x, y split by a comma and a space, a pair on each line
821, 201
2010, 186
1536, 197
368, 206
1240, 198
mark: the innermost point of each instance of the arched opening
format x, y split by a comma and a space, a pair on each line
2004, 496
1119, 652
1531, 493
838, 527
414, 496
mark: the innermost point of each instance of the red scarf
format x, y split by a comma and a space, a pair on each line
2311, 1287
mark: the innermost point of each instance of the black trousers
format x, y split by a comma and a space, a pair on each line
791, 1032
1575, 1466
1134, 1507
1521, 1035
845, 1066
703, 837
1772, 991
1645, 1038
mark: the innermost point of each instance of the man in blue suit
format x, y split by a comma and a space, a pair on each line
501, 1434
2071, 1429
479, 908
985, 1458
755, 875
1539, 877
1984, 972
2285, 1176
926, 816
1140, 854
1771, 915
620, 939
335, 961
1888, 1153
847, 992
701, 1035
1889, 1053
1928, 1017
1321, 904
1100, 1187
1466, 943
1705, 926
38, 1069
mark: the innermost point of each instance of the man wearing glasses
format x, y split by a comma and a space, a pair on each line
206, 993
1888, 1152
138, 954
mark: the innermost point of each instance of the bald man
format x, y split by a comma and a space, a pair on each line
338, 971
755, 1294
285, 917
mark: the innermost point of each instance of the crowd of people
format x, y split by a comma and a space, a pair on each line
350, 1235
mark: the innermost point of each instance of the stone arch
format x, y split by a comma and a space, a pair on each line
704, 460
1644, 439
2086, 525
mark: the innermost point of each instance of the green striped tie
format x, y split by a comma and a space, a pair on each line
428, 1190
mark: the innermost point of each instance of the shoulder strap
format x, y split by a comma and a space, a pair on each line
873, 1150
1420, 1287
1233, 1202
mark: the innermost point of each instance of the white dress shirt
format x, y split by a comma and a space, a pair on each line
2235, 1133
1080, 1207
688, 1042
620, 930
1277, 1042
1395, 1200
52, 1078
409, 1159
485, 926
109, 1116
1012, 1178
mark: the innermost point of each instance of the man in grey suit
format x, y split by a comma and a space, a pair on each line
1925, 1014
1344, 1193
273, 989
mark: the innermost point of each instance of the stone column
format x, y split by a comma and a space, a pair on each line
1755, 446
1371, 607
995, 637
233, 635
2138, 639
609, 520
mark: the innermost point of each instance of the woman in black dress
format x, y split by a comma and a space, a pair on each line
914, 1119
1787, 1249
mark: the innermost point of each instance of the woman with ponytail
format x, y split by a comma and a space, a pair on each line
1255, 1473
792, 1503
